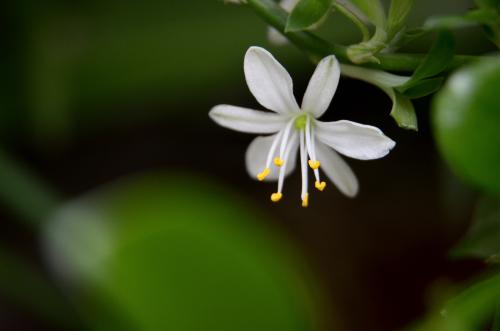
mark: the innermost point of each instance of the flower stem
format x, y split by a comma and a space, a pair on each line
275, 16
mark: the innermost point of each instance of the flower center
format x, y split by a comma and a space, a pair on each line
301, 121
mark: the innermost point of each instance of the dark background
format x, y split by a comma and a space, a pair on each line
96, 91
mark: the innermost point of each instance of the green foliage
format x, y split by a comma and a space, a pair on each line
373, 10
307, 13
403, 111
437, 60
177, 253
25, 285
471, 18
424, 87
466, 121
398, 12
496, 321
470, 310
385, 30
483, 238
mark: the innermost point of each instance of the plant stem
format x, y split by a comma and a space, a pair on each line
23, 193
275, 16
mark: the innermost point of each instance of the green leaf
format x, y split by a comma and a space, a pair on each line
398, 12
402, 108
471, 309
178, 252
24, 193
475, 305
466, 123
438, 58
488, 4
496, 319
306, 14
424, 88
402, 111
471, 18
354, 18
483, 238
373, 9
25, 285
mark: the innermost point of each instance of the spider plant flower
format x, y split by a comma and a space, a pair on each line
292, 130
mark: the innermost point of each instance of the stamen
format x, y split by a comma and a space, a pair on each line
262, 175
278, 161
275, 197
320, 185
272, 150
312, 149
303, 164
305, 201
281, 178
314, 164
284, 140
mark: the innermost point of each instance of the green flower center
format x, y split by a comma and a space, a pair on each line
300, 121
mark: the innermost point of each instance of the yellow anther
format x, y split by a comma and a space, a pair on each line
320, 185
278, 161
275, 197
263, 174
305, 201
314, 164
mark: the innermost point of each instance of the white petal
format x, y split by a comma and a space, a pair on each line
269, 82
337, 170
275, 37
322, 86
359, 141
256, 156
247, 120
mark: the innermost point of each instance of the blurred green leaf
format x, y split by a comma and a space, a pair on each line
483, 238
492, 28
373, 9
488, 4
436, 60
475, 305
306, 14
424, 87
25, 285
471, 18
496, 319
178, 253
471, 310
398, 12
466, 121
23, 193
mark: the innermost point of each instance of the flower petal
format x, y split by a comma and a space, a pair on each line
359, 141
322, 86
247, 120
337, 170
256, 157
269, 82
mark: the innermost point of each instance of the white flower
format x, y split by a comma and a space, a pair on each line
295, 128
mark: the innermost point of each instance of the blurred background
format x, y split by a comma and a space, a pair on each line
123, 207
